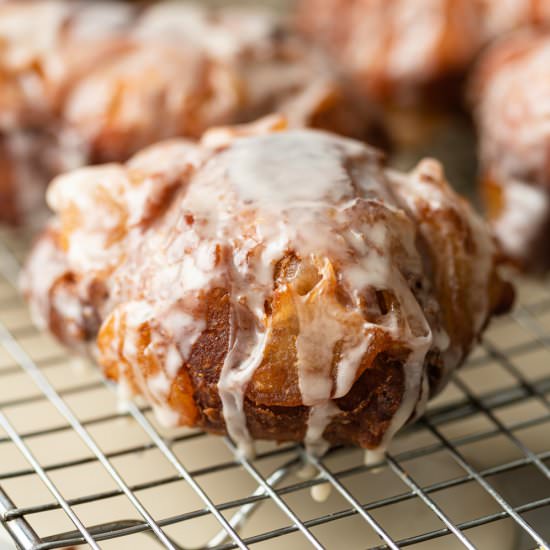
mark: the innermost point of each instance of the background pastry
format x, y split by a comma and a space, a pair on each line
99, 81
412, 57
397, 50
510, 91
501, 16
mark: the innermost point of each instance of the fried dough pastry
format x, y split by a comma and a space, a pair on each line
109, 78
269, 283
399, 51
510, 92
46, 46
413, 52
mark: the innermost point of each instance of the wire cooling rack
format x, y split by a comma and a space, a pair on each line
474, 473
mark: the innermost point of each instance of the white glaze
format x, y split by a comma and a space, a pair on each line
319, 418
321, 492
307, 471
374, 457
239, 366
124, 395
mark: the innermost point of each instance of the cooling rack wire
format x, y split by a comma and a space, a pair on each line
74, 469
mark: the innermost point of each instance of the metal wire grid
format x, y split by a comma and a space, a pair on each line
491, 429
